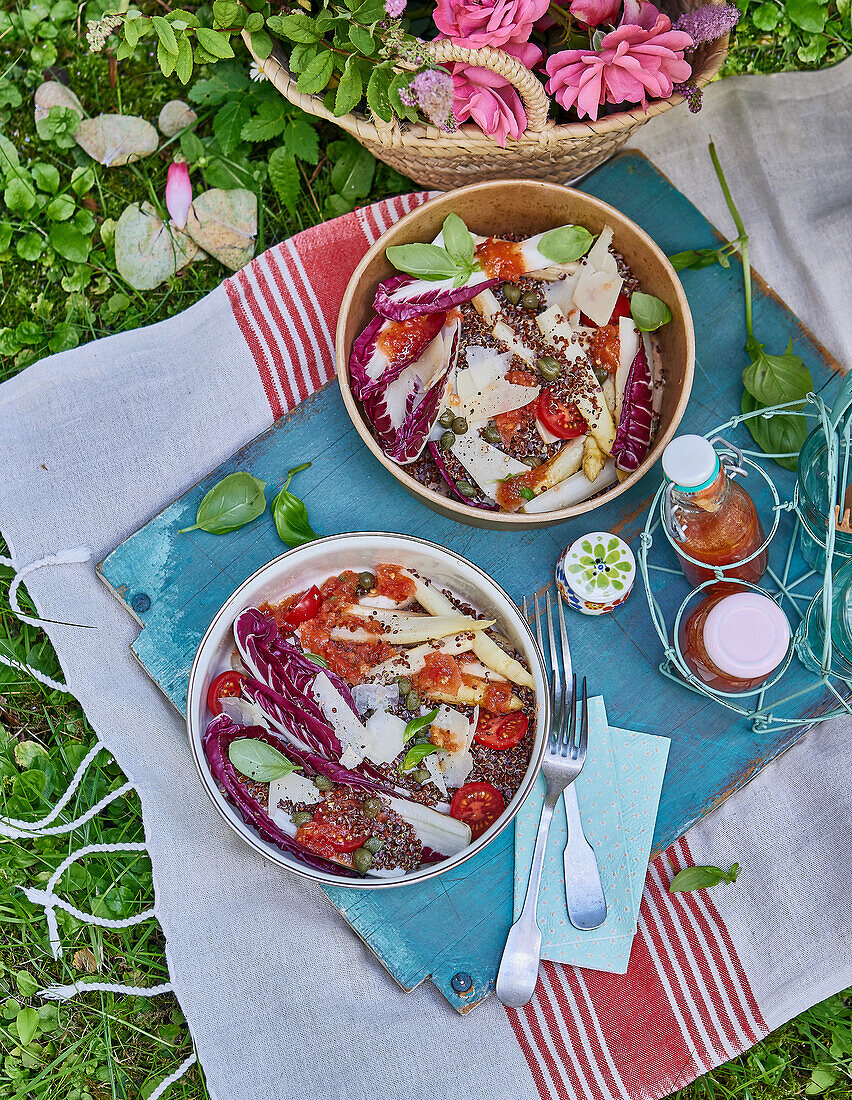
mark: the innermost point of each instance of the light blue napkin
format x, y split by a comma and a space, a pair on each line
618, 792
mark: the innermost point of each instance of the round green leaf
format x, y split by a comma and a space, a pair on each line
65, 336
649, 312
46, 177
808, 14
70, 243
60, 208
19, 195
565, 244
26, 1024
30, 246
233, 502
766, 17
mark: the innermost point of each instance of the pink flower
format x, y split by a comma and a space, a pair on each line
634, 64
475, 23
593, 12
178, 193
490, 100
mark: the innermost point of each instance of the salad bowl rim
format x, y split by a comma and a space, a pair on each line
449, 506
229, 814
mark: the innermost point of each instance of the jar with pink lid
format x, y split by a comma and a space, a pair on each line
734, 639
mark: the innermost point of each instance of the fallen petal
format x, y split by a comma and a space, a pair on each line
117, 139
178, 193
224, 224
175, 116
147, 252
53, 94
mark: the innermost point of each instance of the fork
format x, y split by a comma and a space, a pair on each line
563, 762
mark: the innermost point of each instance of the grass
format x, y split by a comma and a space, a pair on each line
100, 1046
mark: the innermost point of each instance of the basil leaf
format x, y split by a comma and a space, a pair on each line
698, 257
259, 761
648, 312
526, 492
696, 878
417, 724
776, 379
780, 434
426, 261
458, 240
415, 754
567, 243
291, 515
316, 659
233, 502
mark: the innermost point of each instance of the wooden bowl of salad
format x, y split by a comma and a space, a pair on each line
515, 353
368, 710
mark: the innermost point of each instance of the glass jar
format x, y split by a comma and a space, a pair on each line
814, 505
711, 516
734, 639
811, 634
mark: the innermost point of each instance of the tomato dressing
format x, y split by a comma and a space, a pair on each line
513, 493
500, 259
605, 347
402, 340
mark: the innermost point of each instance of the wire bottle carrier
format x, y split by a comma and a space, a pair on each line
781, 702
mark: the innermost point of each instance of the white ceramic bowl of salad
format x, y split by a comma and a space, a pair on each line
403, 747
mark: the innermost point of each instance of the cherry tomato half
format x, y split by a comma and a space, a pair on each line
336, 829
564, 420
227, 684
304, 609
314, 836
477, 804
501, 731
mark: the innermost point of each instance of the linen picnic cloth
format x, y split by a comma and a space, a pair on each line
281, 998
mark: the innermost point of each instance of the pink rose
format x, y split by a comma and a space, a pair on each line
593, 12
488, 99
475, 23
634, 64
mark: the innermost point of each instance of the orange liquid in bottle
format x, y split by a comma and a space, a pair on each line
691, 641
721, 526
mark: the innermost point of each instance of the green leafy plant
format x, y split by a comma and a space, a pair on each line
649, 312
416, 755
768, 380
697, 878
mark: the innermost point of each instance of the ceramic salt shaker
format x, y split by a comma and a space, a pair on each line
595, 573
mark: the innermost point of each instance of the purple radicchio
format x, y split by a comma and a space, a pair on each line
403, 412
478, 501
403, 296
633, 437
217, 738
370, 367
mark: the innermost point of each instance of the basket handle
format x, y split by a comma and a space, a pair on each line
526, 84
529, 87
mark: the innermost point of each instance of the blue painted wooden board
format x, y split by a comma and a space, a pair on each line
458, 922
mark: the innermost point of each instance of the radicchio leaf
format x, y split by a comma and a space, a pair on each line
369, 366
479, 501
218, 736
633, 437
403, 296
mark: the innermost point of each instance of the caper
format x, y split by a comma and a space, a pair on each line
466, 488
530, 300
548, 367
446, 441
601, 373
362, 860
412, 701
446, 418
532, 461
459, 425
404, 685
512, 293
323, 783
492, 434
373, 807
373, 844
367, 580
302, 817
420, 776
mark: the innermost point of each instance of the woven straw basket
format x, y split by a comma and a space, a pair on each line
546, 151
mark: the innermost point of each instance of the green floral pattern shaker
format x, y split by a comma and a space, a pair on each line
596, 573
